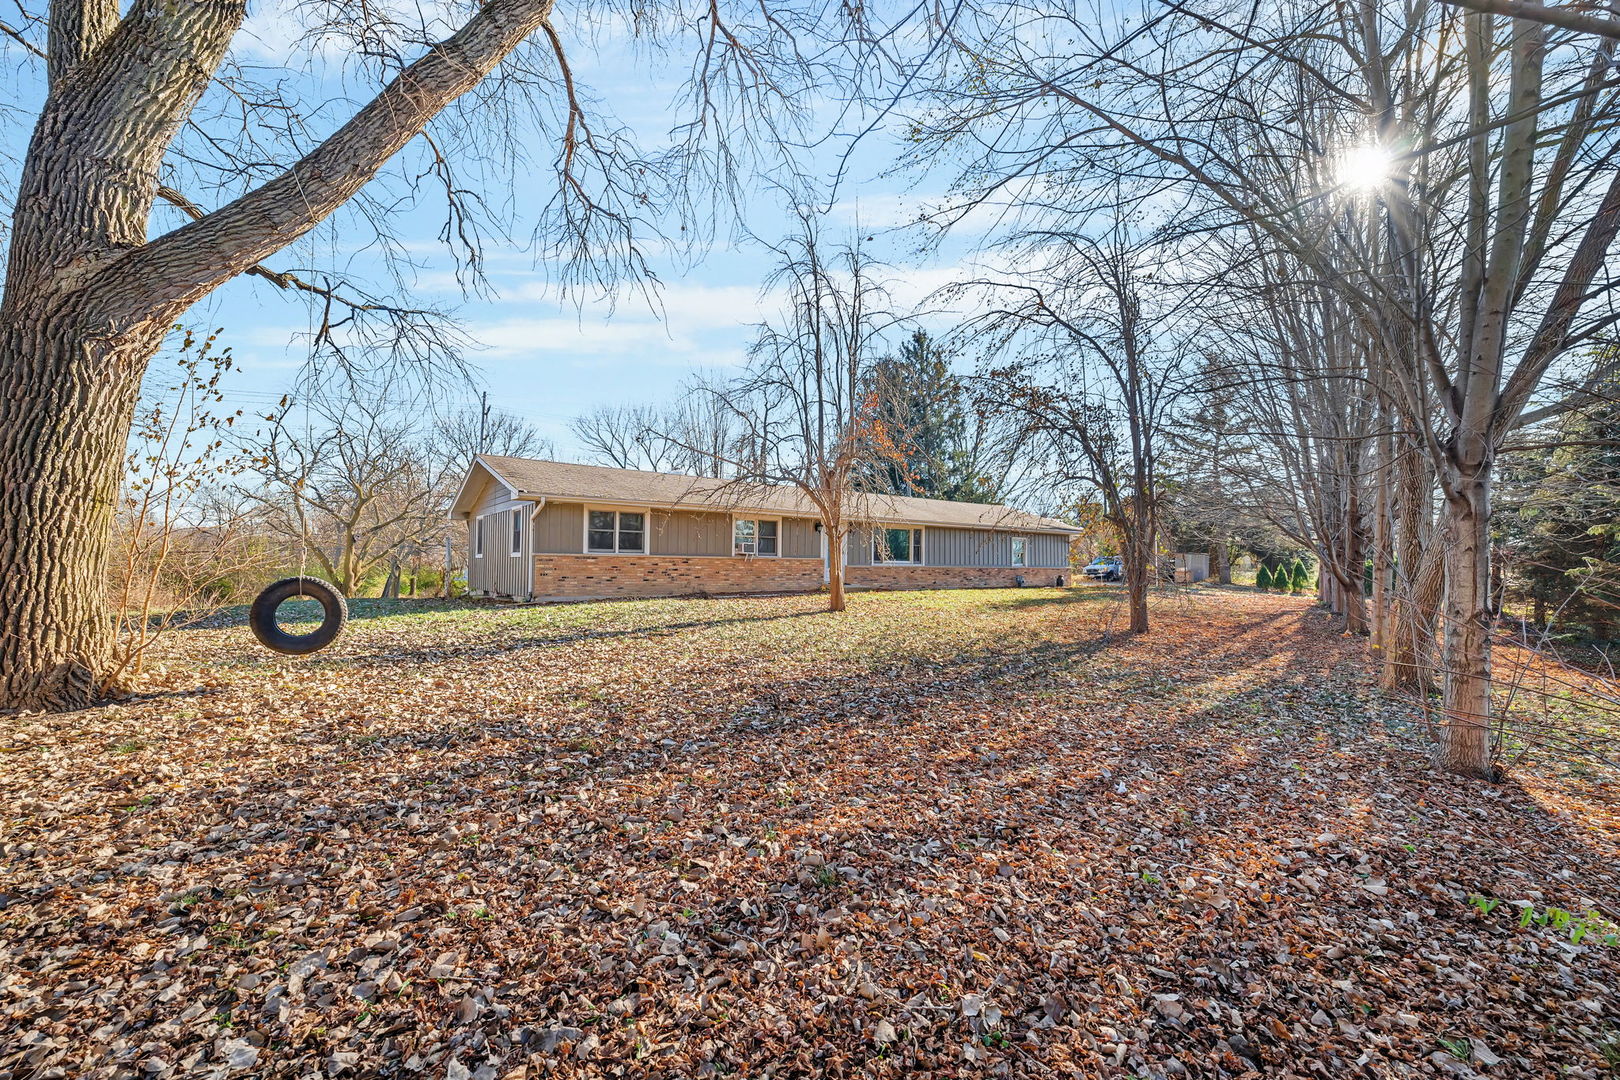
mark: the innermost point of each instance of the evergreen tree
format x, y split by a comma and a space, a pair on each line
1564, 537
1262, 578
935, 448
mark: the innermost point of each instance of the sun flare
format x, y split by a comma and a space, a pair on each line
1365, 168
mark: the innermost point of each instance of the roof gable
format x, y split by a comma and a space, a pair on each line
479, 475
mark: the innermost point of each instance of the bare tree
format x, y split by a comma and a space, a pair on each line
352, 486
629, 437
805, 416
696, 434
1099, 382
1473, 202
144, 103
179, 546
479, 429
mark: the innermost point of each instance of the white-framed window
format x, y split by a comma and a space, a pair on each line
615, 532
517, 533
897, 545
1018, 556
478, 537
756, 536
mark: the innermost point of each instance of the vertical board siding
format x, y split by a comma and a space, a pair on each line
1048, 550
800, 539
973, 548
967, 547
687, 532
858, 550
499, 571
560, 529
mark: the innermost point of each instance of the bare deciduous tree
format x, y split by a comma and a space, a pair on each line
1469, 203
1099, 383
478, 429
179, 545
351, 485
805, 416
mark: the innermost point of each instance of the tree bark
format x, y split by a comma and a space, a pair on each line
1139, 568
1381, 605
1464, 744
1355, 603
836, 543
1419, 575
66, 400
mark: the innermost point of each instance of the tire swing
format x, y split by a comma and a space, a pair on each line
262, 616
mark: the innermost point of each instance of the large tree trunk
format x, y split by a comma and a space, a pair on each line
836, 543
1355, 603
1419, 575
1383, 528
1464, 745
1140, 566
66, 399
1408, 662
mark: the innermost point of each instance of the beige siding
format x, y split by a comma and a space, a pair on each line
683, 532
499, 571
800, 540
972, 548
560, 529
858, 552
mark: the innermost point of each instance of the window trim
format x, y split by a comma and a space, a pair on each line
756, 553
919, 544
585, 529
478, 536
517, 532
1019, 552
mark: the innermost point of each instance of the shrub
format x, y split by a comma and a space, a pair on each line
1262, 578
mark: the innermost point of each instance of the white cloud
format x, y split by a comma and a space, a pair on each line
701, 325
278, 31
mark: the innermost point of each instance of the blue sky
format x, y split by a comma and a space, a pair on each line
544, 357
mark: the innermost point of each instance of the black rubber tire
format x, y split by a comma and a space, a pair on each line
262, 616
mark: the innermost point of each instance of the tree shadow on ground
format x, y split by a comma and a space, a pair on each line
1151, 855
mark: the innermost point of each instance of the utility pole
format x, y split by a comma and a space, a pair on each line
483, 421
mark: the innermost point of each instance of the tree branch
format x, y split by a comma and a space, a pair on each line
184, 265
77, 29
1562, 17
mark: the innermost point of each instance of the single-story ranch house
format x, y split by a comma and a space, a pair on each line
550, 530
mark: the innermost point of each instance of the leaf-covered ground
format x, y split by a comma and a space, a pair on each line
943, 834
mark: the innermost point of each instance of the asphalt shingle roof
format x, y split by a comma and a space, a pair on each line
595, 483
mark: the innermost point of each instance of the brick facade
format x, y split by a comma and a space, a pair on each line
950, 577
601, 576
593, 576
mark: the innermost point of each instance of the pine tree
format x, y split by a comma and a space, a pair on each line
1262, 578
935, 449
1564, 536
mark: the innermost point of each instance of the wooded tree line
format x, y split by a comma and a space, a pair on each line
1369, 244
